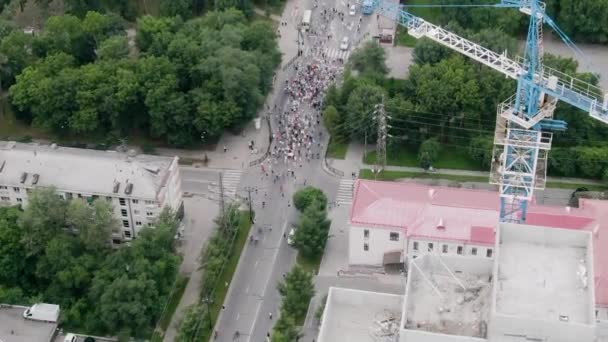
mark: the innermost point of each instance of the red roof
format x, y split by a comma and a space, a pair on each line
470, 216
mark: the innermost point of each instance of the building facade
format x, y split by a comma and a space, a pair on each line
139, 187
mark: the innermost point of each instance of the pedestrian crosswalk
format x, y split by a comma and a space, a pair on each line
329, 53
230, 181
345, 191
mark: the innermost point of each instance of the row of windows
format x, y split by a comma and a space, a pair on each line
7, 199
393, 236
459, 249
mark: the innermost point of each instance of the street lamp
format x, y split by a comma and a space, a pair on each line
207, 300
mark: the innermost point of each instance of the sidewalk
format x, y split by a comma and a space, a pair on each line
353, 162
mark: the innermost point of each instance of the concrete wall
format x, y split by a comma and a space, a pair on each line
378, 242
504, 325
407, 335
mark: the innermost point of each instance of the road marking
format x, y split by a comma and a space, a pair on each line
257, 311
274, 260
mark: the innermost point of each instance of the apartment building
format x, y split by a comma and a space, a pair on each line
138, 186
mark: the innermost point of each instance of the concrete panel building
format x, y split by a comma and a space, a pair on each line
138, 186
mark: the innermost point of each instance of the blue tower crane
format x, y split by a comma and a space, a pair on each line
524, 122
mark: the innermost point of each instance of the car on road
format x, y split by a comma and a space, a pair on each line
344, 44
292, 232
353, 10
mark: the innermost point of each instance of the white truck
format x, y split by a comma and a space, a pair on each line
42, 312
306, 18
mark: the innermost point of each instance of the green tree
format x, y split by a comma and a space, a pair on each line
285, 330
360, 108
305, 197
66, 34
15, 55
94, 224
99, 26
115, 47
584, 20
312, 233
428, 51
333, 122
370, 60
12, 252
480, 150
43, 219
428, 152
171, 8
296, 291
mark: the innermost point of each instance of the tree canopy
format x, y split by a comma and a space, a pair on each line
59, 251
190, 82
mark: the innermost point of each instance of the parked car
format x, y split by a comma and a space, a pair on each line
344, 44
353, 10
292, 232
70, 338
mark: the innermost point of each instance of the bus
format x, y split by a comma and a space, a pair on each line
367, 7
306, 20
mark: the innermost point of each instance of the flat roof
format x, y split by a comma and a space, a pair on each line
82, 170
15, 328
449, 295
360, 316
540, 273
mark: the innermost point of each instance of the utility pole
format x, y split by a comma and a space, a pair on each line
222, 207
249, 189
380, 116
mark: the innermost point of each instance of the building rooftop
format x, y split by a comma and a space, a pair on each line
82, 170
15, 328
542, 273
360, 316
468, 215
449, 295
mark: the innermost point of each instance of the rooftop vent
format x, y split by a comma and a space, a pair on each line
131, 153
129, 188
568, 209
440, 224
116, 187
35, 178
54, 146
431, 192
2, 165
564, 318
23, 177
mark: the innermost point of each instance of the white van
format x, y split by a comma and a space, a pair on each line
42, 312
70, 338
306, 18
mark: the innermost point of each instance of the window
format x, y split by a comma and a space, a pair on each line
68, 195
19, 200
149, 213
430, 246
365, 247
108, 198
149, 202
135, 201
474, 251
415, 245
489, 252
444, 249
128, 234
366, 233
125, 223
3, 187
394, 236
79, 195
122, 201
136, 212
16, 189
116, 241
5, 199
123, 212
138, 223
459, 250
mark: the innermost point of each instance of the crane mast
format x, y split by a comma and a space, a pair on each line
524, 121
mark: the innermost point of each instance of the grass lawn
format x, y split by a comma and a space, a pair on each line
430, 14
176, 296
449, 158
220, 293
404, 39
336, 149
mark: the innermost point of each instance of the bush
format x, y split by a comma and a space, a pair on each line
428, 153
303, 198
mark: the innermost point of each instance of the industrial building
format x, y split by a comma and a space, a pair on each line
138, 186
538, 286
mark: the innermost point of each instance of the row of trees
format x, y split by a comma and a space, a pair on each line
312, 229
296, 292
219, 250
583, 20
58, 251
191, 81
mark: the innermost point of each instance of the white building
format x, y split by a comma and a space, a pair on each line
138, 186
396, 222
537, 287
